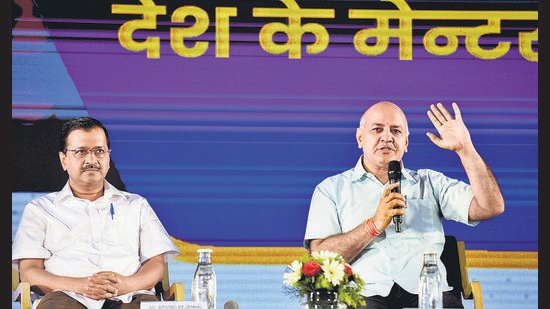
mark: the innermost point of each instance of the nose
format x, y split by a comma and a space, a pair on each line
386, 137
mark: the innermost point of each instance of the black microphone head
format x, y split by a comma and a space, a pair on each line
394, 171
230, 304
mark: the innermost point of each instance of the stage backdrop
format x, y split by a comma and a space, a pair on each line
226, 114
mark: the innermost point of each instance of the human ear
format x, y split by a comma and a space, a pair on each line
359, 138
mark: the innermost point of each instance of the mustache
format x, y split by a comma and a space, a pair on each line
88, 167
387, 146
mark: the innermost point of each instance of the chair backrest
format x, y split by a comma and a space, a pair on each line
163, 285
449, 257
167, 290
454, 258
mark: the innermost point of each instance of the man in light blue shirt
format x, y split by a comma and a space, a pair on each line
351, 212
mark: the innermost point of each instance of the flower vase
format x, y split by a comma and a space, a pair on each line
323, 299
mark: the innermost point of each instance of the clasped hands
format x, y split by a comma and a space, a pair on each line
101, 285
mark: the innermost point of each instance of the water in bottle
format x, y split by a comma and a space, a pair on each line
204, 279
430, 295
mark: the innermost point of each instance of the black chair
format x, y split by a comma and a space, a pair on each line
454, 258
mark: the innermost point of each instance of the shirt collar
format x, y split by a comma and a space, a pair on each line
360, 174
109, 192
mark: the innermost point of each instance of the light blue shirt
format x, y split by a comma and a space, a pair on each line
342, 202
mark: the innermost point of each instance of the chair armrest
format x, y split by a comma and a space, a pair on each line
477, 295
176, 292
470, 289
22, 294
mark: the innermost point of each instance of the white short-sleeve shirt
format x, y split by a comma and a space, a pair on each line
78, 237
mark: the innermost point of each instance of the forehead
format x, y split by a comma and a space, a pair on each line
87, 137
385, 115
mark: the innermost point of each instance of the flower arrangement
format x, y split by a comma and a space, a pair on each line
324, 270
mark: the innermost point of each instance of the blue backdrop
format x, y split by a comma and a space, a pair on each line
229, 150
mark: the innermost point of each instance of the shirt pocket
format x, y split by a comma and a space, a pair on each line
422, 214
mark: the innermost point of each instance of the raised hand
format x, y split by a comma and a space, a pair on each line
453, 134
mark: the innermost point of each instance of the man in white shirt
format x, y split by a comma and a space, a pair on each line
351, 212
90, 245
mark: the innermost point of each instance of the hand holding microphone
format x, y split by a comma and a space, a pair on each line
394, 175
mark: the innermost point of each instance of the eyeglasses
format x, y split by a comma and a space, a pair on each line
83, 153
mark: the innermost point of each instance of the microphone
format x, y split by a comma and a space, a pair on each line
394, 175
230, 304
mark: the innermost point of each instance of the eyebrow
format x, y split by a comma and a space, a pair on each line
393, 126
84, 147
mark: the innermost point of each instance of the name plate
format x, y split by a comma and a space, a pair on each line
172, 305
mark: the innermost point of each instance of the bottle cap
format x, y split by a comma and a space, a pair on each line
205, 256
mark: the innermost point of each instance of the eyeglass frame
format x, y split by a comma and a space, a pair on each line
86, 152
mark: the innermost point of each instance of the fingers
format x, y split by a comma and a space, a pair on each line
458, 115
390, 204
439, 115
435, 139
105, 283
436, 111
395, 201
390, 187
99, 289
100, 294
392, 200
435, 116
105, 277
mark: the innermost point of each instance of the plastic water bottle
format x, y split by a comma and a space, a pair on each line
204, 279
430, 295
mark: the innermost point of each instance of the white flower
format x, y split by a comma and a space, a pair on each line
325, 270
334, 271
324, 255
294, 275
